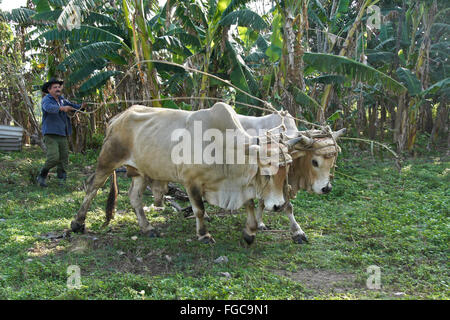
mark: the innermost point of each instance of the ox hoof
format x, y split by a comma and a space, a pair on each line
300, 238
77, 227
152, 233
249, 239
207, 239
263, 227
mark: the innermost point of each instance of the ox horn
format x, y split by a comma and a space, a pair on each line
337, 134
300, 139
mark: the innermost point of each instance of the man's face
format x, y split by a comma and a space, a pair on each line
55, 89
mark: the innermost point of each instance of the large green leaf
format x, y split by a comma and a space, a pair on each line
262, 43
351, 68
20, 15
383, 43
172, 44
317, 12
440, 26
186, 39
88, 53
47, 16
100, 19
438, 87
304, 100
410, 80
274, 52
327, 79
255, 57
84, 33
244, 18
343, 6
374, 56
335, 116
42, 5
86, 71
240, 76
234, 4
442, 45
97, 81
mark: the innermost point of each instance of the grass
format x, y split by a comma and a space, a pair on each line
375, 215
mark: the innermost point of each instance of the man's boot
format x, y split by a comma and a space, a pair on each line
41, 178
61, 177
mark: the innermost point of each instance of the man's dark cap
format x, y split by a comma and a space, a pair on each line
47, 85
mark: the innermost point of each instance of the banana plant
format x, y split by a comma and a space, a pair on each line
209, 23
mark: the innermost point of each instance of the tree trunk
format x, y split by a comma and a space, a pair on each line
345, 50
383, 115
373, 115
441, 124
401, 122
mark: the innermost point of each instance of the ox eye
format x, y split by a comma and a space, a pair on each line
315, 163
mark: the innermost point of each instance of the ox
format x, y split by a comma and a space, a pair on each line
140, 139
310, 169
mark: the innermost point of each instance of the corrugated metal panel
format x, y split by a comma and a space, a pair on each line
10, 138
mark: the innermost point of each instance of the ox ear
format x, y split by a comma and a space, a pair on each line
301, 140
339, 133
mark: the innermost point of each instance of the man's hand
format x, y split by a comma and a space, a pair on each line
66, 108
83, 106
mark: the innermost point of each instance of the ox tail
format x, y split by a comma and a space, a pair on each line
112, 199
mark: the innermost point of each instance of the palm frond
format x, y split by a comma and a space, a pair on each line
97, 81
47, 16
19, 15
172, 44
262, 43
99, 19
374, 56
42, 5
197, 14
255, 57
410, 80
88, 53
442, 45
234, 4
332, 63
321, 16
326, 79
244, 18
86, 71
383, 43
443, 85
58, 3
304, 100
185, 38
240, 76
84, 33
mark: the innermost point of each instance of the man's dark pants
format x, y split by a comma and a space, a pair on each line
57, 155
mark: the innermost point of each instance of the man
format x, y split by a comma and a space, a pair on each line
56, 128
